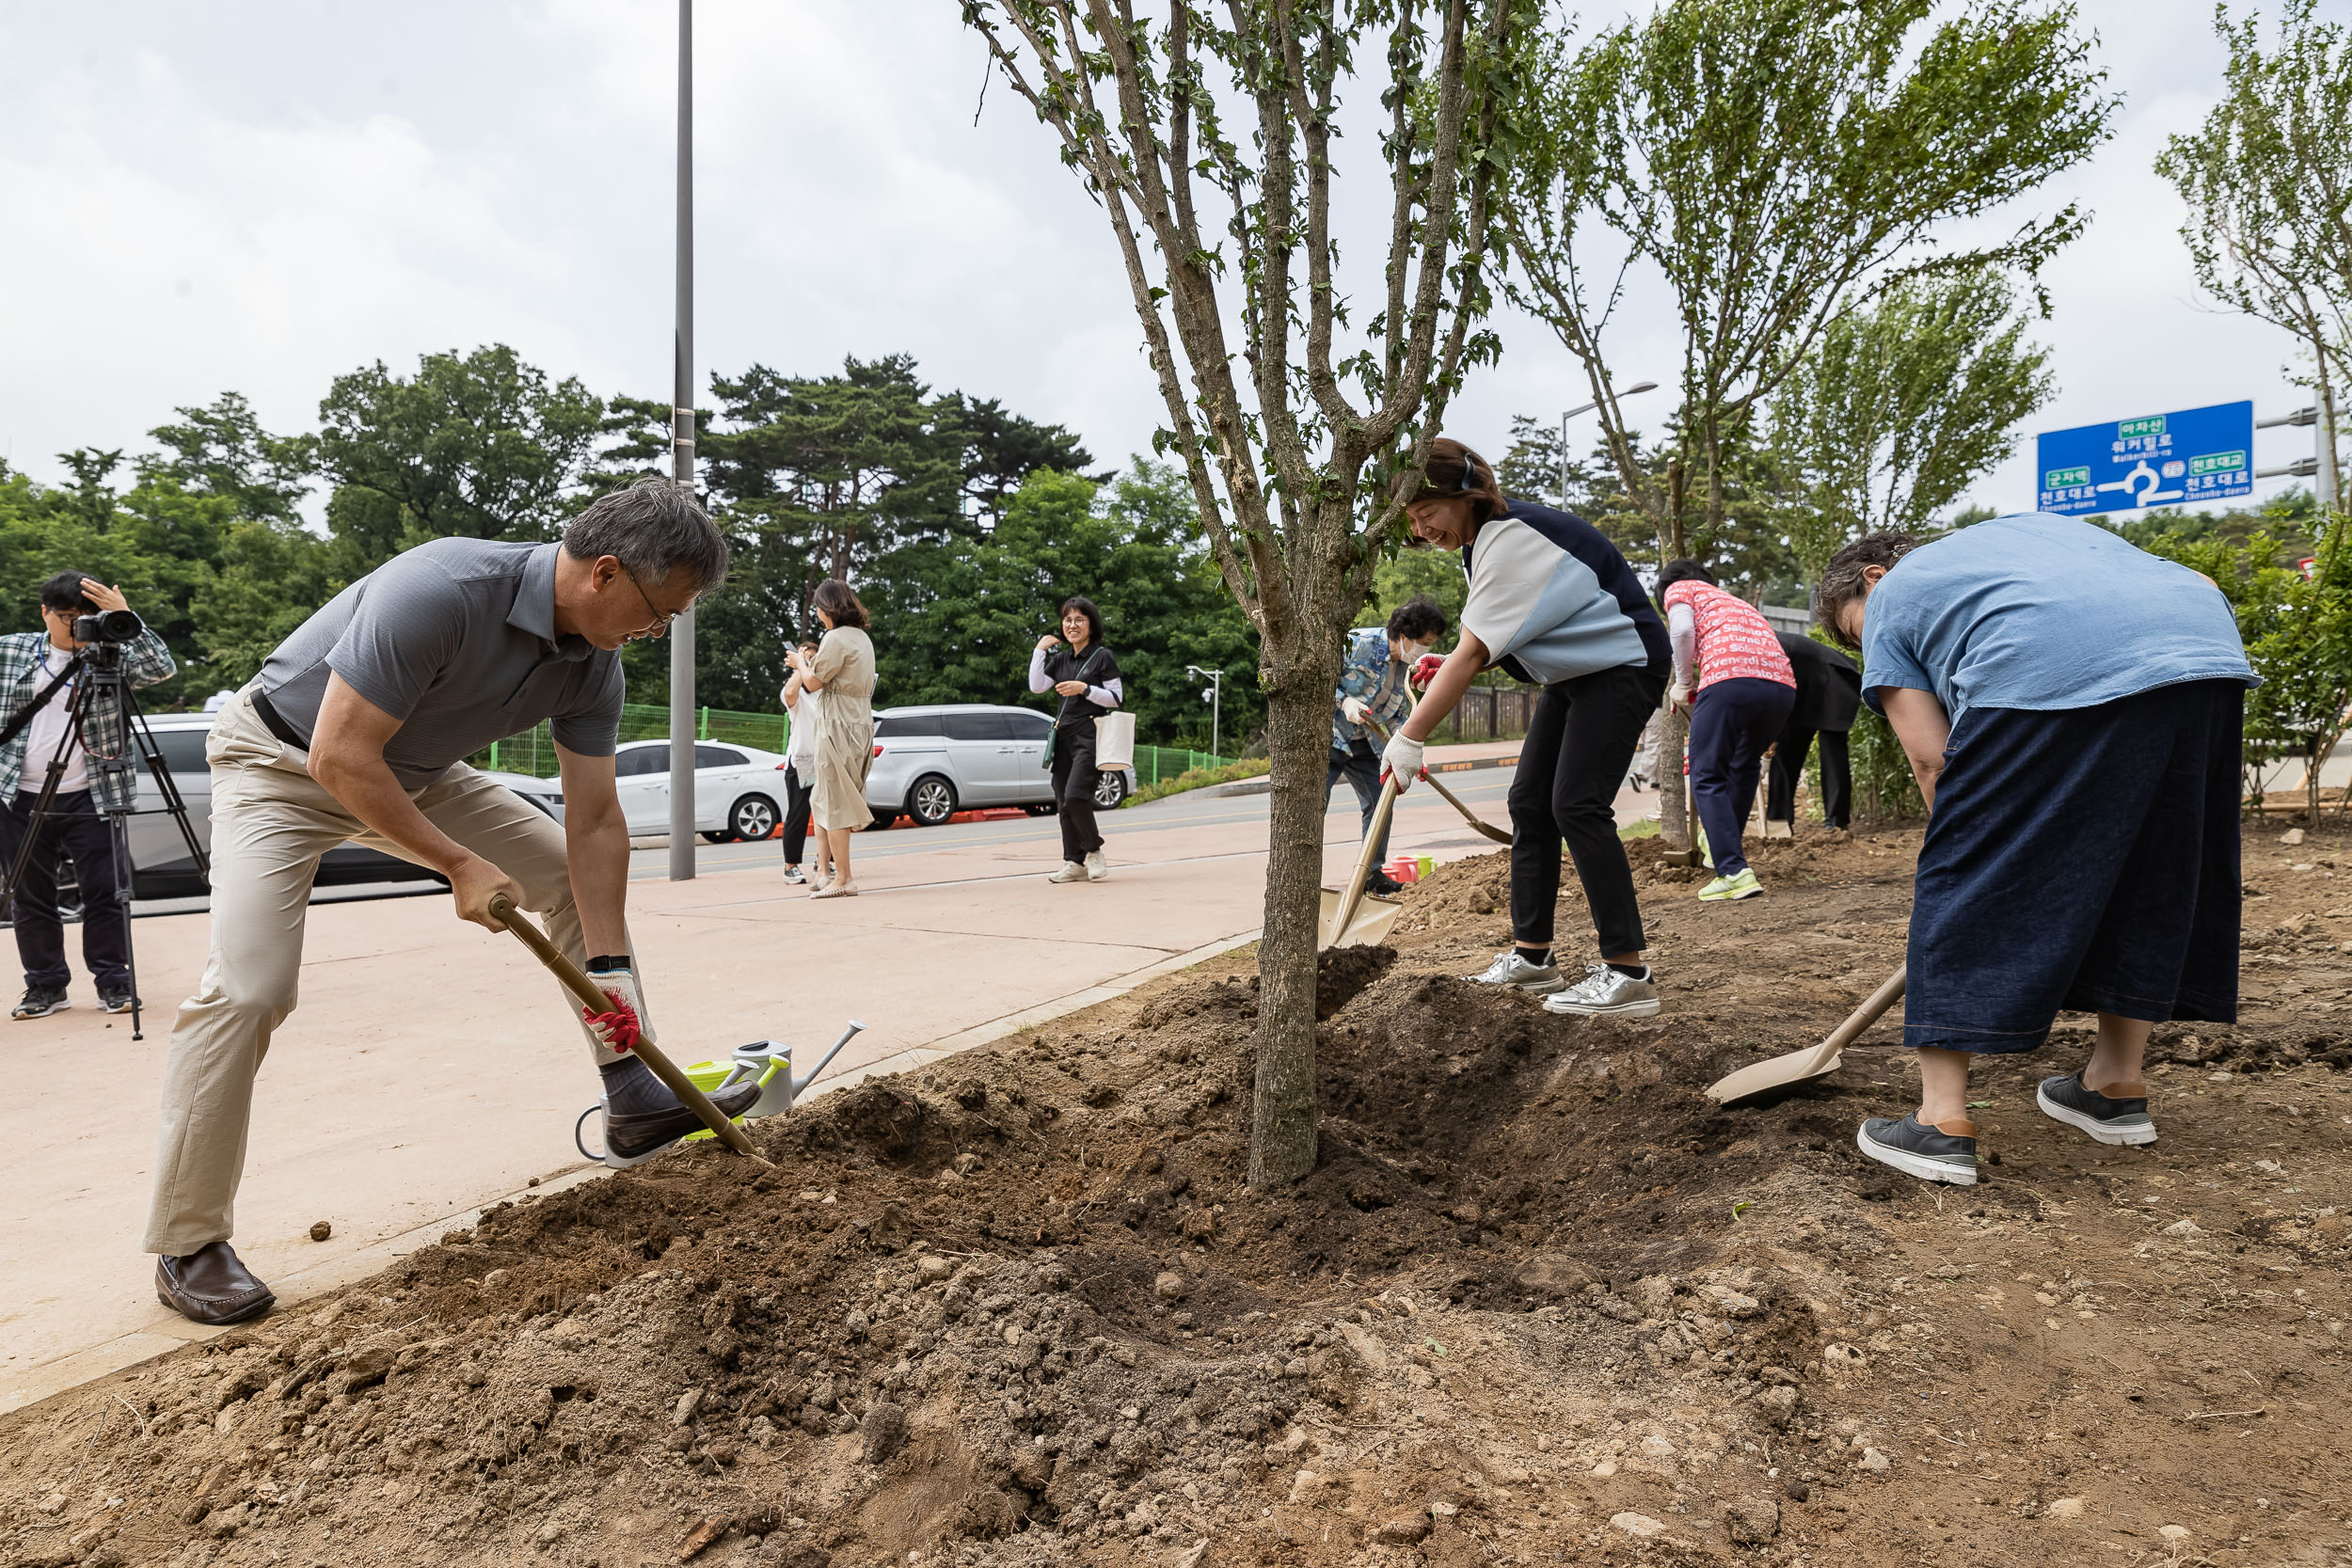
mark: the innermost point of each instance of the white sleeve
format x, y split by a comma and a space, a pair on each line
1036, 671
1108, 695
1682, 628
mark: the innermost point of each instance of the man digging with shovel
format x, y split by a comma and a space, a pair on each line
356, 731
2073, 709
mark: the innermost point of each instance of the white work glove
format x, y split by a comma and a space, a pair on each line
1353, 709
1402, 762
620, 985
1678, 696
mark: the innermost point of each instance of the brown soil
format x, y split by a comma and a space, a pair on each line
1541, 1302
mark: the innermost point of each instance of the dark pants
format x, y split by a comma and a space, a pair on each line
1731, 723
1075, 779
1578, 748
1780, 789
795, 815
2084, 859
73, 825
1360, 765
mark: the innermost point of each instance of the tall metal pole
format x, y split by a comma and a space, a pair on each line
1217, 714
682, 781
2324, 449
1563, 458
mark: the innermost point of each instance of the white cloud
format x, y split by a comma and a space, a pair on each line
337, 185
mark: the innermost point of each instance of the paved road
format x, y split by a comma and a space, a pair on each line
1482, 790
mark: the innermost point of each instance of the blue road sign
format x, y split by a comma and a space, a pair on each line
2197, 455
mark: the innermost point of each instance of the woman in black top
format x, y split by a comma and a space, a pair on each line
1086, 676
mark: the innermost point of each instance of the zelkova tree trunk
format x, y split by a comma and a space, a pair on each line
1299, 745
1674, 792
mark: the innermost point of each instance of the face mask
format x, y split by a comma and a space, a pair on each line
1411, 651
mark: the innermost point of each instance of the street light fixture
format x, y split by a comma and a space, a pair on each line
1586, 408
1215, 697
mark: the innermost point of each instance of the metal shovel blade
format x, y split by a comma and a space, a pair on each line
1780, 1073
1367, 927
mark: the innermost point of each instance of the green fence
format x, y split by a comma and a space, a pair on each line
533, 754
1155, 763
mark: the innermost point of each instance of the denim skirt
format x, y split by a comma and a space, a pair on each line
2081, 860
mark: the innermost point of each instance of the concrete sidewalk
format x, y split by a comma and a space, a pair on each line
433, 1068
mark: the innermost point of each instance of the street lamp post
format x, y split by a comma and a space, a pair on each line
2321, 463
1214, 696
1586, 408
682, 783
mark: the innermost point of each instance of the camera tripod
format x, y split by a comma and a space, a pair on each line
94, 673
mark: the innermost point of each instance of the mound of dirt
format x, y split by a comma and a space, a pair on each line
1540, 1301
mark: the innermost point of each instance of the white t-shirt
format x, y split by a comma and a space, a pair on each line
807, 713
49, 725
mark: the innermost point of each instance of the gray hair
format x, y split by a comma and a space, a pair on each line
652, 528
1841, 583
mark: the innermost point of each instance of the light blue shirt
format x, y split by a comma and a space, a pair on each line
2043, 612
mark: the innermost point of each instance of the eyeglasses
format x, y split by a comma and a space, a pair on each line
662, 618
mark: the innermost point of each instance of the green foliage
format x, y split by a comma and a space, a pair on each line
482, 446
1900, 406
2267, 180
2298, 631
1781, 162
955, 620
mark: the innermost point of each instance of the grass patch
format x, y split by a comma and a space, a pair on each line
1646, 828
1199, 777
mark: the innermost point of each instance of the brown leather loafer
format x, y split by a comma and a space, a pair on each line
210, 1286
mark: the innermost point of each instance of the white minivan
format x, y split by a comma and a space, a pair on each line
931, 762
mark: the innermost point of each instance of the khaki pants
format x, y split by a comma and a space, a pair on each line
271, 822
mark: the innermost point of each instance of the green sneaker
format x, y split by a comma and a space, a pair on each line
1742, 886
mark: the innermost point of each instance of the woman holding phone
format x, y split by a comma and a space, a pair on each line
1085, 675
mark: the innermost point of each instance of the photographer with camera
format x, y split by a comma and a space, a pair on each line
30, 662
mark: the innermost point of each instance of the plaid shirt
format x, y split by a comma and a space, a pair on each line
145, 660
1376, 677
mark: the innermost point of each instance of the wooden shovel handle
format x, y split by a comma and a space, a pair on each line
1873, 1007
584, 990
1354, 893
1444, 794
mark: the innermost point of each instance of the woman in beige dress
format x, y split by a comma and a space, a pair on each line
842, 670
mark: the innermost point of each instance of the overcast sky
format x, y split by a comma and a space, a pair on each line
259, 197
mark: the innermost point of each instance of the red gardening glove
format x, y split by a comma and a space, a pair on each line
619, 1027
1424, 671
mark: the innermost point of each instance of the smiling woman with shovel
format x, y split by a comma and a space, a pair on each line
1552, 602
2073, 709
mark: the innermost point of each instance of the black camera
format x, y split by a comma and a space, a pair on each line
110, 625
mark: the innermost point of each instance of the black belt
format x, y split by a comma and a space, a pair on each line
276, 723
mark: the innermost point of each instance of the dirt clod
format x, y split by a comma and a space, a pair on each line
322, 1230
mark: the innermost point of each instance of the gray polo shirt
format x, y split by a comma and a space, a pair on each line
456, 640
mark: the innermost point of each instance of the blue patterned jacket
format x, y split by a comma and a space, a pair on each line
1374, 676
145, 660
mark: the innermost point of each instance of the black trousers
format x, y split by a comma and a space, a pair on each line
1780, 789
796, 798
1578, 748
75, 826
1074, 777
1360, 765
1732, 724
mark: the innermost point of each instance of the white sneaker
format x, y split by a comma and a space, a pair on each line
1512, 970
1070, 872
1097, 867
1603, 991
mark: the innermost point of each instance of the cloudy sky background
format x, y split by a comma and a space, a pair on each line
259, 197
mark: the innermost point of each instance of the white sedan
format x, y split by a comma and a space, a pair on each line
738, 790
